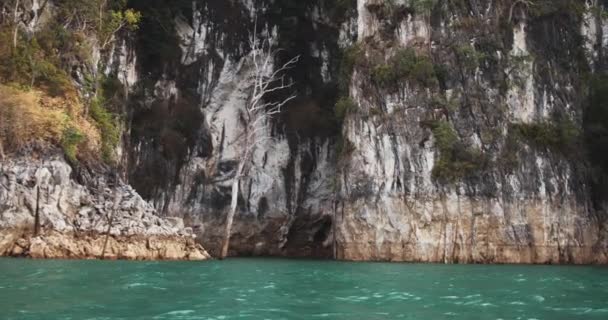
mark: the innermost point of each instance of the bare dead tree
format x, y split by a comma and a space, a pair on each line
37, 213
266, 79
16, 22
110, 217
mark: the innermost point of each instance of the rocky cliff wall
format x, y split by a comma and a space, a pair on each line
443, 131
443, 165
437, 159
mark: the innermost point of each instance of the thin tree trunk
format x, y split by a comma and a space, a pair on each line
233, 206
110, 222
16, 21
37, 214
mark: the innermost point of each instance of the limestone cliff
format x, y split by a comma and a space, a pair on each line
443, 165
424, 130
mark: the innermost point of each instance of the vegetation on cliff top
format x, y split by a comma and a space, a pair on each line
33, 116
56, 64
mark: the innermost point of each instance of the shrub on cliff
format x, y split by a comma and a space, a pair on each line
405, 65
32, 116
343, 107
559, 136
456, 160
30, 65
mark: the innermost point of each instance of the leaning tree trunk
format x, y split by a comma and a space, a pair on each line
233, 206
110, 222
16, 21
37, 214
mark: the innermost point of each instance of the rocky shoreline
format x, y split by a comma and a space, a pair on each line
55, 245
77, 221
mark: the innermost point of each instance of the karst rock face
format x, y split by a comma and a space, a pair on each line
104, 219
435, 131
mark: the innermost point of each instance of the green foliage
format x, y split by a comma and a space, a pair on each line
456, 161
116, 21
468, 57
69, 142
445, 136
560, 136
43, 60
351, 57
30, 65
108, 126
405, 65
343, 107
440, 102
383, 75
104, 17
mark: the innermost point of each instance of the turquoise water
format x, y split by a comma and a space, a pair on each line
288, 289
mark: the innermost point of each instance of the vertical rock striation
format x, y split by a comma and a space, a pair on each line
440, 171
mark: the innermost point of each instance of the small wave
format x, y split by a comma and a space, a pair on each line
136, 284
269, 286
176, 314
353, 298
326, 315
552, 279
538, 298
579, 310
449, 297
473, 303
273, 310
179, 312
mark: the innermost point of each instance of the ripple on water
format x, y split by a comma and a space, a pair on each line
327, 315
394, 295
353, 298
177, 315
231, 292
136, 285
579, 310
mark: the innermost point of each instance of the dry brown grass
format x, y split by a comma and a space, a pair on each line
32, 116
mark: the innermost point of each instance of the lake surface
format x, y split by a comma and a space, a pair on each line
293, 289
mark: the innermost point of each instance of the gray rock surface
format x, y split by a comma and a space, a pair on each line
69, 210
